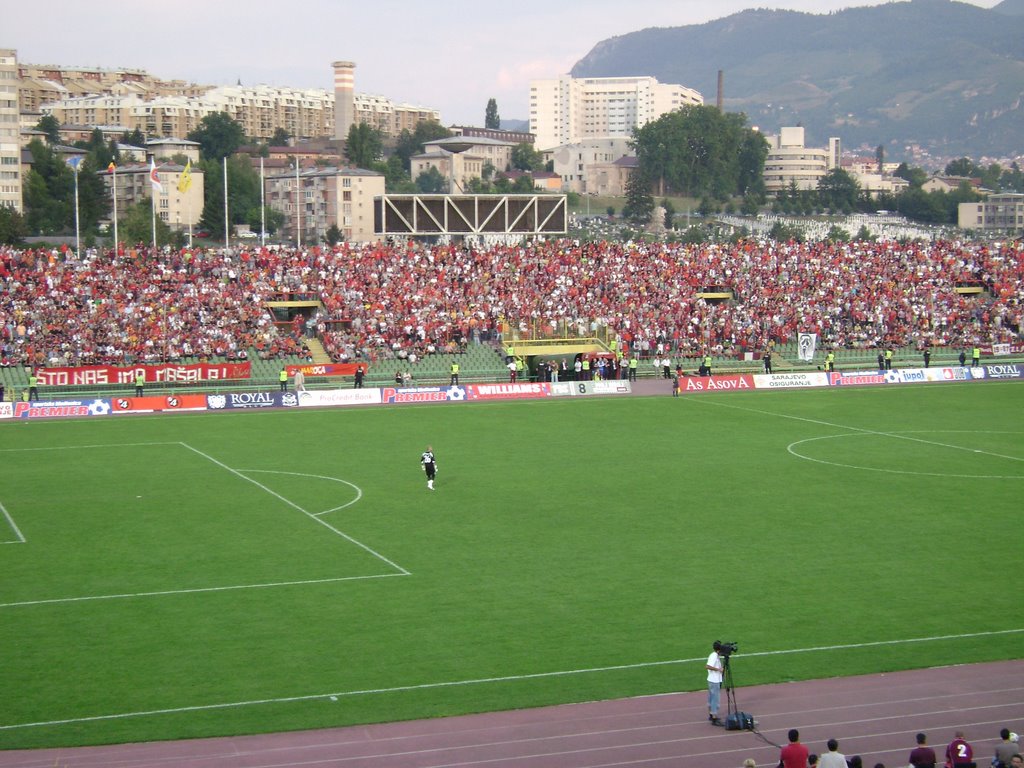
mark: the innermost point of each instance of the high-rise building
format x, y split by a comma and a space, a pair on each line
344, 97
10, 131
569, 110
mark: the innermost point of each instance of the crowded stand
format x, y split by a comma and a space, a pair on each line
382, 302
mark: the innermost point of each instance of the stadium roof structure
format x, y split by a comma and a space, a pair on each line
429, 215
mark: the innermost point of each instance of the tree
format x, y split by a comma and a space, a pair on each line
783, 233
280, 138
48, 192
526, 158
491, 117
333, 235
699, 151
12, 226
364, 145
134, 138
137, 226
837, 234
396, 178
639, 201
963, 166
838, 190
219, 135
915, 176
49, 125
410, 144
243, 192
274, 220
880, 157
431, 182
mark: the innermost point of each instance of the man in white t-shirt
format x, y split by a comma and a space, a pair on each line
715, 668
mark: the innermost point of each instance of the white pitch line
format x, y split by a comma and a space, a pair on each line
492, 680
359, 491
858, 429
228, 588
14, 527
295, 506
80, 447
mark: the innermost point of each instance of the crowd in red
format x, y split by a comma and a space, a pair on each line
382, 301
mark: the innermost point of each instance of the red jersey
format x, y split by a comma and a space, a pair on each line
794, 755
959, 752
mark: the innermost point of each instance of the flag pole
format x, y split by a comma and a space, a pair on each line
78, 234
298, 208
152, 208
226, 224
263, 209
114, 172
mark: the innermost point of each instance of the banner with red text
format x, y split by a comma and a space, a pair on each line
329, 369
115, 374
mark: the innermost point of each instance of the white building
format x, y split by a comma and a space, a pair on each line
569, 110
10, 131
590, 166
462, 158
790, 162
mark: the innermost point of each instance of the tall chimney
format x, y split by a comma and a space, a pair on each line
344, 97
721, 90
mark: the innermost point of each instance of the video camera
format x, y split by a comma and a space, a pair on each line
726, 649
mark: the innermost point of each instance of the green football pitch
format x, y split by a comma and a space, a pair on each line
195, 575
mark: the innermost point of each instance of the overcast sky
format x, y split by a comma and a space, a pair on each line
451, 55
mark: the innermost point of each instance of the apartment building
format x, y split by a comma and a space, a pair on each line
996, 214
790, 162
568, 110
388, 117
322, 197
10, 131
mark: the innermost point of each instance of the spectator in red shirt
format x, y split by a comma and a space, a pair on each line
794, 754
922, 755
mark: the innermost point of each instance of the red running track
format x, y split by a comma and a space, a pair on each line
875, 716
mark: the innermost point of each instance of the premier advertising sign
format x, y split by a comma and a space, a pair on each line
857, 378
49, 409
422, 395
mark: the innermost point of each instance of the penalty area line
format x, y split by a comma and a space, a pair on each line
490, 680
229, 588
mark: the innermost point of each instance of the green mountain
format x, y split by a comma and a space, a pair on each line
946, 76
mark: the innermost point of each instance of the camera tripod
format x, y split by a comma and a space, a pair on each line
735, 720
731, 710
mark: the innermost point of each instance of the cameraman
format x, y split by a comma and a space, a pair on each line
715, 667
